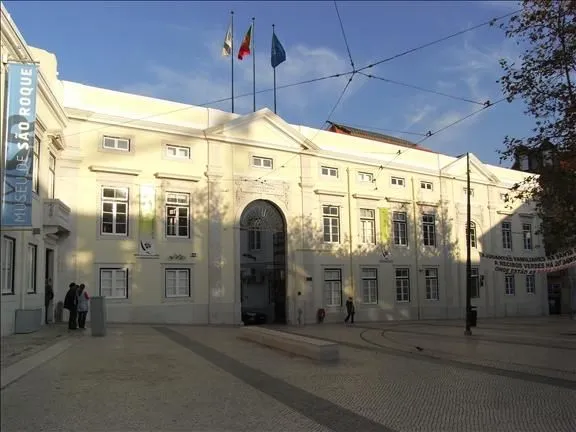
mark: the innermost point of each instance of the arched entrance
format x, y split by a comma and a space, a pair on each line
263, 263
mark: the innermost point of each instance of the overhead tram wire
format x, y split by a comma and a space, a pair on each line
308, 81
412, 86
344, 36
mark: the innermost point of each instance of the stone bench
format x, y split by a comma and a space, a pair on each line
295, 344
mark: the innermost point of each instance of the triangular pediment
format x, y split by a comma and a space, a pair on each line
262, 127
478, 171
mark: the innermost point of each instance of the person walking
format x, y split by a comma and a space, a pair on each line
48, 297
351, 311
83, 302
71, 303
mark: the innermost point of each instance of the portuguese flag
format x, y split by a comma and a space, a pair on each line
246, 44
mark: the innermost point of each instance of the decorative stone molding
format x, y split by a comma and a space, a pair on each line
114, 170
177, 257
171, 176
329, 192
367, 197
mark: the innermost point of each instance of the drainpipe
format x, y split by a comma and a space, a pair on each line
416, 248
208, 194
350, 251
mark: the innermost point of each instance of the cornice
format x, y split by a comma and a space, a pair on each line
171, 176
329, 192
114, 170
367, 197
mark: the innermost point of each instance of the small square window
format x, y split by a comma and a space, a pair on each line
329, 171
177, 152
365, 177
466, 192
397, 181
262, 162
426, 185
116, 143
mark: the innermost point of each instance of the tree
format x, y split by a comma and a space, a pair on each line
546, 81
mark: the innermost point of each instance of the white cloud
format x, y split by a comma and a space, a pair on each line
417, 115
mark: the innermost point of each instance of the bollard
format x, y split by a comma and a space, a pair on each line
98, 316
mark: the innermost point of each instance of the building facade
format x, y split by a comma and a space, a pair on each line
182, 214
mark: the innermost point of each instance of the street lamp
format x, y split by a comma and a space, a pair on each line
468, 332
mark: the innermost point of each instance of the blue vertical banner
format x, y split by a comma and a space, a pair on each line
19, 144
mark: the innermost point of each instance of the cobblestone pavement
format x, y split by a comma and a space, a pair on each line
180, 378
19, 346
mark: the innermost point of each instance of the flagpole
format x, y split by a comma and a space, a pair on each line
232, 55
273, 33
253, 66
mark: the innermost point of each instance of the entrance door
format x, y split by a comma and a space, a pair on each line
263, 263
49, 266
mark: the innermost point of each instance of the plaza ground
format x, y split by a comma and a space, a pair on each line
512, 375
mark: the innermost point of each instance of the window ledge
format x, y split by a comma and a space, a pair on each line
172, 176
114, 170
329, 192
427, 203
505, 212
398, 200
367, 197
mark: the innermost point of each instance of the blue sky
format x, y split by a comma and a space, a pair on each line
172, 50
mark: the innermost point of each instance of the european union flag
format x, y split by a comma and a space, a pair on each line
278, 55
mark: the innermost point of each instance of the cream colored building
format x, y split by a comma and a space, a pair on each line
182, 214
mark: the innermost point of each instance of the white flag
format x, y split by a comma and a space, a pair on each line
227, 47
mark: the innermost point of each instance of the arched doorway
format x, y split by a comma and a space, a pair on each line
263, 264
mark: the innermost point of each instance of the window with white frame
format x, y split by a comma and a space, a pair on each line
114, 211
397, 181
177, 215
365, 177
329, 171
506, 235
530, 283
527, 235
262, 162
429, 229
431, 277
51, 176
466, 192
368, 226
331, 220
177, 152
472, 234
402, 279
36, 166
475, 283
510, 284
31, 268
333, 287
369, 285
254, 239
400, 228
426, 185
116, 143
177, 282
7, 259
114, 283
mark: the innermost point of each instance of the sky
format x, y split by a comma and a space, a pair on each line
172, 50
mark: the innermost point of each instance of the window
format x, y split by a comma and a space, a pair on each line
510, 284
426, 185
115, 143
262, 162
400, 228
369, 285
527, 236
475, 283
333, 287
36, 166
524, 162
331, 218
177, 283
507, 235
471, 192
365, 177
51, 176
397, 181
254, 239
547, 158
329, 171
504, 197
8, 258
472, 234
402, 285
429, 229
177, 152
177, 215
31, 264
530, 284
431, 275
114, 211
114, 283
368, 226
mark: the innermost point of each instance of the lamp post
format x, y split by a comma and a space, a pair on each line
468, 332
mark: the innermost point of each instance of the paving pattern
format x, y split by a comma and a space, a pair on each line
179, 378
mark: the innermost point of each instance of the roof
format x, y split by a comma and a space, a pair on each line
374, 136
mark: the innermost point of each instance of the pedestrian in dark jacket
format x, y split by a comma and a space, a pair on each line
71, 303
351, 310
48, 297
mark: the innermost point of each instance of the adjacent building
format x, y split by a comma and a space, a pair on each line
183, 214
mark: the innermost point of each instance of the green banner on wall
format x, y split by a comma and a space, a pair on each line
384, 225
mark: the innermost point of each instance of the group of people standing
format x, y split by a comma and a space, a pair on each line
77, 302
